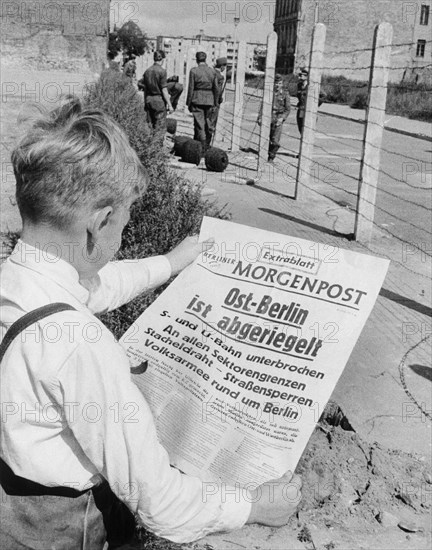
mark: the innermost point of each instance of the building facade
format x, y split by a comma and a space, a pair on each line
350, 27
214, 46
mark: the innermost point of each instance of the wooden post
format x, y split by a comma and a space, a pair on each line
179, 66
140, 66
374, 128
190, 62
221, 129
267, 100
180, 72
238, 96
170, 65
304, 168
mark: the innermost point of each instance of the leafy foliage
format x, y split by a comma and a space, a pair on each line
132, 39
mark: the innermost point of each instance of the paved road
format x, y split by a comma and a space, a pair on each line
404, 197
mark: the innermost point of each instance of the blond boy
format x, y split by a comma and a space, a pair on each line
80, 458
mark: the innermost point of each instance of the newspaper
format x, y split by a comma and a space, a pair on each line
245, 347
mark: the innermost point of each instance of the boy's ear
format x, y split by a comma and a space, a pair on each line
98, 221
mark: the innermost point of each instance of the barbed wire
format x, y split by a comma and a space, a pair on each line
377, 47
406, 200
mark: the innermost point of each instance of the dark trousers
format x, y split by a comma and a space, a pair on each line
203, 124
300, 120
156, 113
175, 92
214, 116
35, 517
275, 137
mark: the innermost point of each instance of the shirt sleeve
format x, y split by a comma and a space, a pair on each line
163, 80
190, 88
113, 426
120, 282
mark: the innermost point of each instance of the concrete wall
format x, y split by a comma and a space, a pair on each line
48, 34
350, 26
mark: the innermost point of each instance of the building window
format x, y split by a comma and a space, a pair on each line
420, 52
424, 15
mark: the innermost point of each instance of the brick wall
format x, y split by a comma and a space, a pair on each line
50, 34
350, 27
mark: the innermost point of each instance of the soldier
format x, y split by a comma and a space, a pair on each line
280, 110
156, 97
175, 90
301, 96
221, 64
201, 98
129, 68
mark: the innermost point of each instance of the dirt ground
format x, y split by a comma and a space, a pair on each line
356, 496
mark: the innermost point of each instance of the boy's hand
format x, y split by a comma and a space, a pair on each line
275, 501
186, 252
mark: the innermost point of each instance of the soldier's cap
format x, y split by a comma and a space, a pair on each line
221, 61
278, 78
304, 72
201, 56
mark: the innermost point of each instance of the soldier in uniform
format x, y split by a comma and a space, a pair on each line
175, 90
156, 97
301, 96
202, 97
280, 110
129, 68
221, 64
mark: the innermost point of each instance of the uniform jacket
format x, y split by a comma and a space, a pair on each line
281, 104
220, 79
203, 88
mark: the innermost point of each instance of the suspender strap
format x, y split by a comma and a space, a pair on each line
29, 319
12, 484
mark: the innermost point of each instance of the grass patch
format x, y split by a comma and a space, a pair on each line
403, 99
408, 100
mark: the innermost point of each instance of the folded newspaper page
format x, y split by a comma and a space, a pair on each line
245, 347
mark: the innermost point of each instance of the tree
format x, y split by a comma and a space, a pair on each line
114, 45
131, 39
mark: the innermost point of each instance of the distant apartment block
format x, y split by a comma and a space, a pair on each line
350, 27
213, 46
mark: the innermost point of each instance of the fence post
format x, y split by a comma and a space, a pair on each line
304, 168
220, 130
180, 72
238, 96
374, 128
267, 100
139, 66
170, 65
190, 62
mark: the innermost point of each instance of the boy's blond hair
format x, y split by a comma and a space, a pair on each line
74, 161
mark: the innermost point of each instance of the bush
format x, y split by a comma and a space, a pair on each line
410, 100
360, 101
171, 208
403, 99
339, 89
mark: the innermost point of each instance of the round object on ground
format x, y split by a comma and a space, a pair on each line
191, 152
179, 141
216, 160
171, 125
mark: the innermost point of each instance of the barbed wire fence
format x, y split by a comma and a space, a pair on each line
239, 129
404, 207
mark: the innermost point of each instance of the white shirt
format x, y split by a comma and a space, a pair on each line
70, 411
